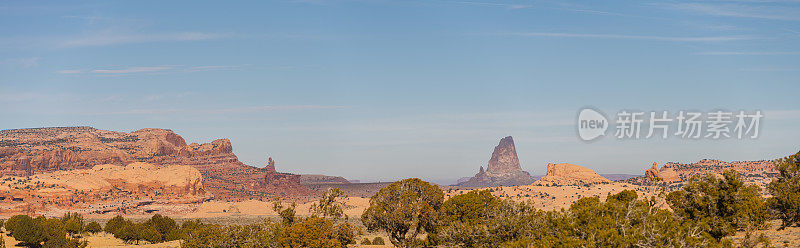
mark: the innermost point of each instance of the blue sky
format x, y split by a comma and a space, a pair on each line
382, 90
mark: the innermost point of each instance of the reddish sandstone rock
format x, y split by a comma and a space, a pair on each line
673, 172
568, 174
652, 172
270, 164
28, 151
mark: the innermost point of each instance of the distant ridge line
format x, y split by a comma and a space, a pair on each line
41, 128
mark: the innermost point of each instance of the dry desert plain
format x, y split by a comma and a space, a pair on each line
544, 197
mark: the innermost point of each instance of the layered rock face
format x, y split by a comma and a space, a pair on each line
135, 177
503, 169
569, 174
504, 159
679, 172
103, 188
25, 152
652, 172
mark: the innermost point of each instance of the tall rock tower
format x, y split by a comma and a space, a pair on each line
504, 158
503, 169
270, 165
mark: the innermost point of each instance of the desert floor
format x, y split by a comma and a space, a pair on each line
544, 197
790, 237
101, 240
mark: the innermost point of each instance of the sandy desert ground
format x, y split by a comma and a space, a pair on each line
544, 197
103, 240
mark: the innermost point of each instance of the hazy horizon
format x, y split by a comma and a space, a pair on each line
383, 90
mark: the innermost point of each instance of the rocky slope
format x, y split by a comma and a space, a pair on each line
503, 168
102, 189
570, 174
136, 177
25, 152
678, 172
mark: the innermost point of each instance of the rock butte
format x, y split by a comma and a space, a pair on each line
568, 174
30, 151
503, 169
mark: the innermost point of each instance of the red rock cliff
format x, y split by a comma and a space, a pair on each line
28, 151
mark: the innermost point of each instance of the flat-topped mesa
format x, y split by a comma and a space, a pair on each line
503, 169
25, 152
87, 187
138, 176
569, 174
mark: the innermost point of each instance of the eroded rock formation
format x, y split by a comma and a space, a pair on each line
678, 172
503, 169
652, 172
569, 174
135, 177
25, 152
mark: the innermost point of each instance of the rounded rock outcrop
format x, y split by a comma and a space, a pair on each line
567, 174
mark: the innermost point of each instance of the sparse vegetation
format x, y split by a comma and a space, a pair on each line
73, 223
720, 205
322, 230
404, 209
378, 241
41, 231
157, 229
704, 213
93, 227
785, 190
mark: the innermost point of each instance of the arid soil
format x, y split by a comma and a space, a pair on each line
102, 240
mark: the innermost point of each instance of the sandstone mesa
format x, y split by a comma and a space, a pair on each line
25, 152
569, 174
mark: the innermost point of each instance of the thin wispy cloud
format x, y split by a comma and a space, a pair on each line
215, 68
771, 69
580, 8
152, 69
20, 96
158, 97
495, 4
733, 53
278, 108
782, 114
740, 10
634, 37
132, 70
713, 26
69, 71
590, 11
104, 39
22, 62
250, 109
